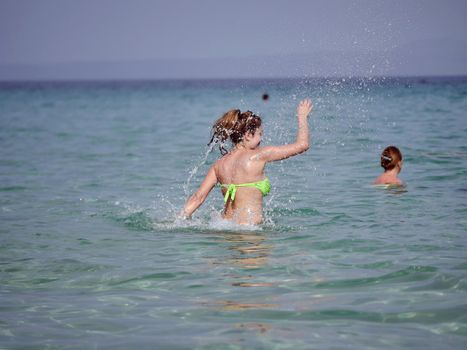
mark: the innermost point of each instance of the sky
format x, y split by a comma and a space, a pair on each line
163, 39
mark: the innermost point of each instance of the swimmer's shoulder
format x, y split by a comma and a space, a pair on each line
379, 181
218, 163
392, 184
258, 153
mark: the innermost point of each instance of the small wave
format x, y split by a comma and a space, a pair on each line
293, 212
138, 221
427, 316
340, 244
132, 216
12, 188
67, 266
409, 274
152, 277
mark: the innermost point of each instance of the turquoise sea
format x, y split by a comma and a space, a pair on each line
92, 256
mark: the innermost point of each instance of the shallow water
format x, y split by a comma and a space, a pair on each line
92, 255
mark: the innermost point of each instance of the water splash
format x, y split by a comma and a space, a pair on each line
163, 215
194, 171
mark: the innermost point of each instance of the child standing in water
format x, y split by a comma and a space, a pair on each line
240, 171
391, 161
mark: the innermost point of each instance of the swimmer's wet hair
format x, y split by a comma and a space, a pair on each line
390, 157
233, 125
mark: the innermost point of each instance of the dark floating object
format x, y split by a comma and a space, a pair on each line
265, 97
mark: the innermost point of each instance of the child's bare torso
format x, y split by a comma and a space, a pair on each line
237, 167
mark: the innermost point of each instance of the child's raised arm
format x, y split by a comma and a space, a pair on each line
301, 144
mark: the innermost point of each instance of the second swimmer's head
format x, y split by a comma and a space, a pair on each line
391, 158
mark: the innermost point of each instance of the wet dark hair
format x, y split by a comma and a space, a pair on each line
390, 157
234, 125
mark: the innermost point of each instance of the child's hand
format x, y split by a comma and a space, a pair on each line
304, 108
183, 215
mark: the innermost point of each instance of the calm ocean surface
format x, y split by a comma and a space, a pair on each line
92, 255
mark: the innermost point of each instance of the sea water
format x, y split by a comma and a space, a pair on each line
92, 254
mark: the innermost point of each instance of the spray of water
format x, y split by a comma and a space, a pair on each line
194, 170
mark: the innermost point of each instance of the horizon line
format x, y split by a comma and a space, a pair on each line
214, 79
